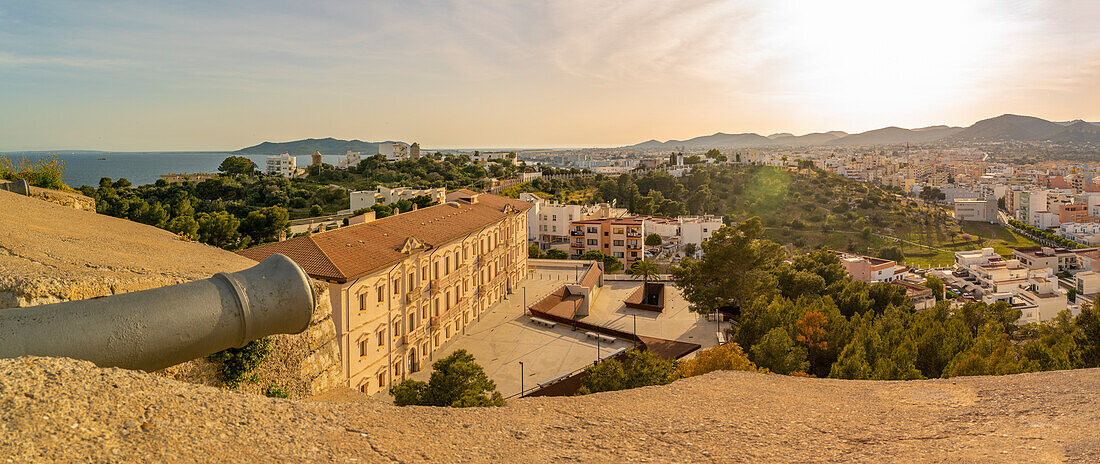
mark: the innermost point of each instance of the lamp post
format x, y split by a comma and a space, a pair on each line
521, 379
597, 361
718, 320
635, 330
524, 300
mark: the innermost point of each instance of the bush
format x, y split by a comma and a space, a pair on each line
637, 369
457, 381
235, 364
44, 173
275, 391
728, 357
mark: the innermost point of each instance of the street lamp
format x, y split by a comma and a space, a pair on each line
635, 330
597, 361
521, 379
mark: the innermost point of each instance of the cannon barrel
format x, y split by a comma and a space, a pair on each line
156, 328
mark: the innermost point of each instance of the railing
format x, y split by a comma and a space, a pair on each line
576, 245
633, 247
634, 234
412, 297
417, 334
577, 233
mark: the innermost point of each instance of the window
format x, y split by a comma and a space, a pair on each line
555, 228
396, 329
381, 379
446, 265
381, 292
618, 243
412, 281
363, 347
412, 322
396, 285
363, 388
362, 301
381, 337
555, 217
618, 254
435, 270
424, 272
592, 230
593, 241
618, 231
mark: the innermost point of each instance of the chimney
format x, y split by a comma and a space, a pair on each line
414, 207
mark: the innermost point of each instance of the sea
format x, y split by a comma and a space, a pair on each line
87, 167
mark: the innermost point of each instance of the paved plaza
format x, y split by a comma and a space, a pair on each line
504, 336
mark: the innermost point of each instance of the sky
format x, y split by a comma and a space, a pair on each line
195, 75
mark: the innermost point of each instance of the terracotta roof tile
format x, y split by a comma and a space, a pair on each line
352, 251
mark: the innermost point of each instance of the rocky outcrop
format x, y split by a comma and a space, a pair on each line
58, 410
68, 199
50, 253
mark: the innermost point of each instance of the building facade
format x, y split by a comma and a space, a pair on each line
281, 165
622, 238
403, 285
393, 151
387, 196
976, 210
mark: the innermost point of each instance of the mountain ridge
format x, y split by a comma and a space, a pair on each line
1006, 127
327, 145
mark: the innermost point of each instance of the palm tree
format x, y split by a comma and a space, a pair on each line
644, 268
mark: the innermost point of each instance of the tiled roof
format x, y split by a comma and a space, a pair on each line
352, 251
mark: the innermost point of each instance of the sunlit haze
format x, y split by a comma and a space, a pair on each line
224, 75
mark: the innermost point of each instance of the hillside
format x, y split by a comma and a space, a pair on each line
897, 135
60, 410
1007, 127
1078, 132
328, 146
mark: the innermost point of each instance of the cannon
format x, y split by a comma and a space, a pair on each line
153, 329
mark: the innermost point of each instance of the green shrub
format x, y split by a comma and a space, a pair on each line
235, 364
44, 173
275, 391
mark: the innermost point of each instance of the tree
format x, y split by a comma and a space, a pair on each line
265, 224
316, 210
219, 229
653, 240
736, 268
891, 253
690, 249
610, 263
638, 368
727, 357
555, 253
457, 381
644, 268
778, 353
237, 165
936, 285
931, 194
533, 251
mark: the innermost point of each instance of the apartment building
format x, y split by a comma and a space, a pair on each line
998, 277
1057, 259
551, 222
621, 238
697, 229
869, 269
351, 159
393, 151
387, 196
966, 259
403, 285
281, 165
976, 210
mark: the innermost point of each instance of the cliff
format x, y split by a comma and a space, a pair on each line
58, 410
51, 253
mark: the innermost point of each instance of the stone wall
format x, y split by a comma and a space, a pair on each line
51, 253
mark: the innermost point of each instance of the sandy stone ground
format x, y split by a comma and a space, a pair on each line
59, 410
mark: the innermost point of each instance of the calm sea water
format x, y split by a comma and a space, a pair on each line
86, 168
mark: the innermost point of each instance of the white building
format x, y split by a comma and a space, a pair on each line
393, 151
351, 159
976, 210
366, 198
697, 229
549, 222
1039, 301
282, 165
968, 258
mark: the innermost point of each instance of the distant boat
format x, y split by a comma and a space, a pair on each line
101, 159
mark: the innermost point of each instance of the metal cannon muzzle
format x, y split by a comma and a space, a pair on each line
156, 328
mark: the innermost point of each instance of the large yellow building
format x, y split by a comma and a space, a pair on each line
403, 285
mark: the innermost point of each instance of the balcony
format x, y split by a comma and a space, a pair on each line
412, 297
635, 234
633, 246
577, 233
416, 335
576, 245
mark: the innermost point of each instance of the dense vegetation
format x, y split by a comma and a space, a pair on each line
241, 207
643, 368
457, 381
804, 315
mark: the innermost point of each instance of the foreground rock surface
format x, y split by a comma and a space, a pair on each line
59, 410
50, 253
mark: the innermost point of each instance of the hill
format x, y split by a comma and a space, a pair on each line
1007, 127
1078, 132
328, 146
61, 410
896, 135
